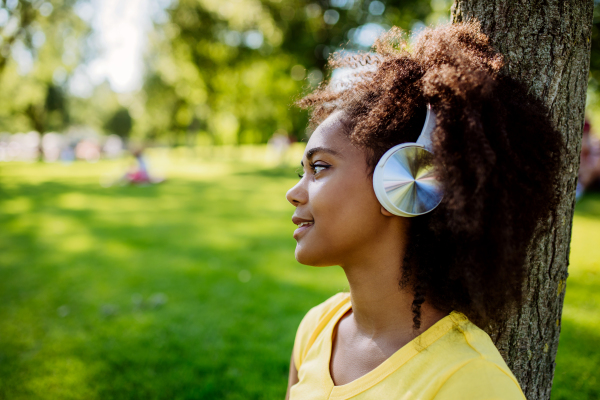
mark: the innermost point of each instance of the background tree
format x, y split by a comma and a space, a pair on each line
218, 71
236, 67
41, 44
120, 123
16, 17
546, 47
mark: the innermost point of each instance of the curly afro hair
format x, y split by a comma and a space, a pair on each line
495, 150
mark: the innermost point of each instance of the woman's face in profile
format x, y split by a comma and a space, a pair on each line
337, 212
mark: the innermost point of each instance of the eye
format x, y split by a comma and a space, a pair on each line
317, 168
300, 172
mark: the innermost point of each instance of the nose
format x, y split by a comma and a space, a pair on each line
297, 195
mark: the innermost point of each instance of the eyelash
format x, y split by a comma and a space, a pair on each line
313, 167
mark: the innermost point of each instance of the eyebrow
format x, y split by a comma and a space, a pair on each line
315, 150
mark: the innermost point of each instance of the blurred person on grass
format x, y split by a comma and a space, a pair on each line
138, 173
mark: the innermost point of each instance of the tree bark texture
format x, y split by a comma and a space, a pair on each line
546, 44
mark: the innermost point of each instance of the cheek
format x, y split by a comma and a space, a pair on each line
343, 204
346, 201
346, 216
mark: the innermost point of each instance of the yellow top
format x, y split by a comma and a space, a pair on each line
453, 359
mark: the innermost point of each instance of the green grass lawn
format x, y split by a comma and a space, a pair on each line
577, 373
188, 289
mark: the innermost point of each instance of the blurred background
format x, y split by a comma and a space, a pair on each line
146, 146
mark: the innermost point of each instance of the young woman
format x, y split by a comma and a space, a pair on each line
420, 288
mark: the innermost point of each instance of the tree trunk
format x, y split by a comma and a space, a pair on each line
546, 45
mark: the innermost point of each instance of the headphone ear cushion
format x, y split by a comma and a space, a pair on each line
404, 181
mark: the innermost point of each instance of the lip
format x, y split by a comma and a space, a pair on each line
299, 232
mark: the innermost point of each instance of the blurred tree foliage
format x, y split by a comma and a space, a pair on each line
41, 44
217, 71
230, 70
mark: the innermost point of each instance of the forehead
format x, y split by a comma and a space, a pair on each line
331, 134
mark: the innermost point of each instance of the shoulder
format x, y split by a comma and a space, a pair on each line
480, 379
313, 322
480, 373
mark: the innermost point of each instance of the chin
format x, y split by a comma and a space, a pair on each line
312, 258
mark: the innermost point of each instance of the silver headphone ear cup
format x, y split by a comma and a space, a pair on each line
405, 183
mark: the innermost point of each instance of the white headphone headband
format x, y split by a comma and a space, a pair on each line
428, 127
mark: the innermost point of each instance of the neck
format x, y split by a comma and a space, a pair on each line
379, 306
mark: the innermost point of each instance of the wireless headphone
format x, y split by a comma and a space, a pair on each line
404, 180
